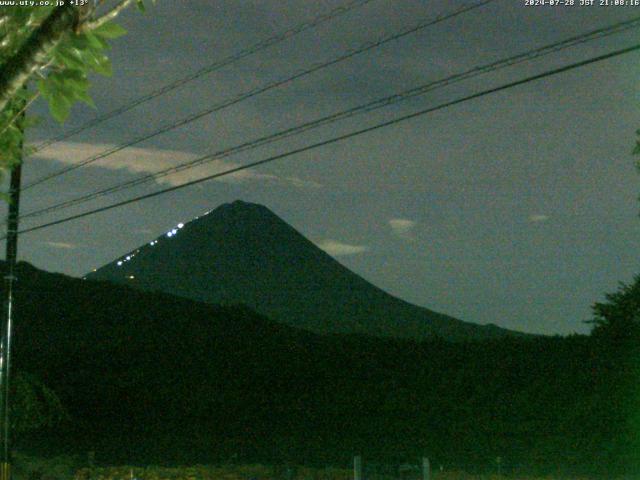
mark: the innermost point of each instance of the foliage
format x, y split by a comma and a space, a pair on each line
149, 377
11, 138
260, 472
62, 72
619, 316
617, 332
72, 60
636, 150
34, 405
29, 467
204, 472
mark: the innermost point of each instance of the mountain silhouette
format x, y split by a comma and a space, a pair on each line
243, 253
153, 378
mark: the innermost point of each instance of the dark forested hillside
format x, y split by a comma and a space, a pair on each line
154, 378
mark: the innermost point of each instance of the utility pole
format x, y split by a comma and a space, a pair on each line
7, 318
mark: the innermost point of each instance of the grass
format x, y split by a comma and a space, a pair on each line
261, 472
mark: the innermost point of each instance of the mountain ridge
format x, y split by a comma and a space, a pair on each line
244, 253
150, 377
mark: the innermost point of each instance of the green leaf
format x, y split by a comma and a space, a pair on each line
84, 97
44, 87
96, 42
31, 121
74, 80
140, 5
102, 65
69, 57
60, 107
79, 41
109, 30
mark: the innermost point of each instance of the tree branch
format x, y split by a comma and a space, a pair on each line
110, 15
16, 70
22, 110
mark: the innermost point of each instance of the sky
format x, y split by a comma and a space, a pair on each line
518, 208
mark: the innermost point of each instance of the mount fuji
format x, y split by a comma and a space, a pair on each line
243, 253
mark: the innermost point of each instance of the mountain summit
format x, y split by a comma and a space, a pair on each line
243, 253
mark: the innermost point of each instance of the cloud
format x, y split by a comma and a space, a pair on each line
150, 160
537, 218
402, 227
64, 245
336, 248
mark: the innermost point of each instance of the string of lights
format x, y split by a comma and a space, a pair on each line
260, 90
361, 109
340, 138
217, 65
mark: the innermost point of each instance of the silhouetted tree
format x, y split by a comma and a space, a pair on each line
619, 317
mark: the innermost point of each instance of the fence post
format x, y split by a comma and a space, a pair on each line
426, 469
357, 467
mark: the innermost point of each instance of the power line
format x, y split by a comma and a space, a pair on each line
339, 138
255, 48
252, 93
368, 107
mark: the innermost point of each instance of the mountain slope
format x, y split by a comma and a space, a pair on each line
244, 253
150, 377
